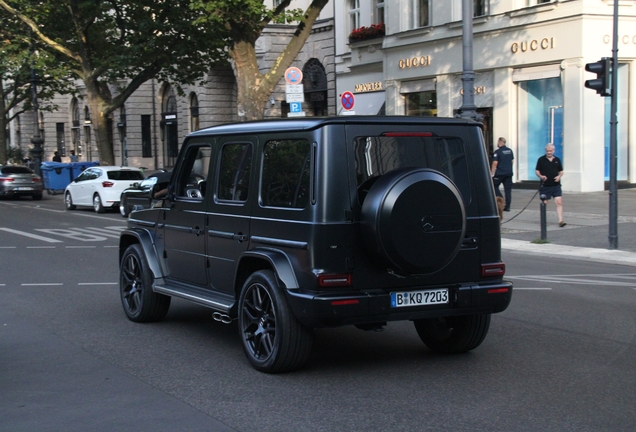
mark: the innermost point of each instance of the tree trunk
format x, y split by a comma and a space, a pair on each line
253, 89
100, 111
3, 126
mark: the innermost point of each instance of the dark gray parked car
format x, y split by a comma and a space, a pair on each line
17, 180
290, 225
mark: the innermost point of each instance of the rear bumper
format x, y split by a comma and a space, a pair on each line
343, 308
19, 190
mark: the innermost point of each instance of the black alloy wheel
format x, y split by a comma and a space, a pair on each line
273, 339
140, 302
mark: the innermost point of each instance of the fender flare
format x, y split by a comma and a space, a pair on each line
279, 262
144, 239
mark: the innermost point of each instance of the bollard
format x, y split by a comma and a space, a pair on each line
544, 230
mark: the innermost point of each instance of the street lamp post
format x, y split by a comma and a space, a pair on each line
37, 140
121, 126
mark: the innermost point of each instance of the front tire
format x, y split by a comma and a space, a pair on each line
124, 211
453, 335
97, 204
68, 201
273, 339
141, 303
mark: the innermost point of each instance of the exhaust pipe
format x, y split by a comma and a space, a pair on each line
218, 316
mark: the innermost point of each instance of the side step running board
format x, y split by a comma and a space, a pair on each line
217, 301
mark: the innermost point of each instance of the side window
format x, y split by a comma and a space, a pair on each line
285, 178
234, 171
192, 180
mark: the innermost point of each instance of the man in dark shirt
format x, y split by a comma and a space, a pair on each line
550, 170
57, 157
501, 170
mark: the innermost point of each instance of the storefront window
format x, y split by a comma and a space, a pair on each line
540, 122
422, 104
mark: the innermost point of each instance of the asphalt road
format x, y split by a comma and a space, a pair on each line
560, 358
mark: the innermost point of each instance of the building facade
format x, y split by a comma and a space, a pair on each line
149, 129
529, 61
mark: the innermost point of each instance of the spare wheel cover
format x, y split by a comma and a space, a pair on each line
413, 220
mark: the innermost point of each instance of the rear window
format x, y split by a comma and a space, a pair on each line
125, 175
377, 155
14, 169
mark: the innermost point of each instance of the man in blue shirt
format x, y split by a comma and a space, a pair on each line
501, 170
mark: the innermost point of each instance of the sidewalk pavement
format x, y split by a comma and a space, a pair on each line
586, 235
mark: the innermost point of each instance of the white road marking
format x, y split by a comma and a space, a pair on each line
41, 284
582, 279
8, 247
40, 247
73, 234
98, 283
102, 231
531, 289
80, 247
34, 236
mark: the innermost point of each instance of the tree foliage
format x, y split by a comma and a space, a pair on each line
18, 56
120, 41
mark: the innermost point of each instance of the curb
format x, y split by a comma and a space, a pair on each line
569, 252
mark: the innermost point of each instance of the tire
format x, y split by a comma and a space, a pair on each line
97, 204
413, 220
68, 201
141, 304
453, 335
124, 211
273, 339
36, 197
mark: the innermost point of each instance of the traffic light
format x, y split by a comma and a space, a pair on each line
602, 69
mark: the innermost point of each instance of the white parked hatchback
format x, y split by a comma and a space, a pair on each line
100, 187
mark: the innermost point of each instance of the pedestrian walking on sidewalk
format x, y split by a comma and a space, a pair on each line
73, 156
57, 157
501, 170
550, 170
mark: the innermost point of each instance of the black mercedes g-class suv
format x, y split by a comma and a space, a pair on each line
289, 225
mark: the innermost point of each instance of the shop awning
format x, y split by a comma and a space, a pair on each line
367, 104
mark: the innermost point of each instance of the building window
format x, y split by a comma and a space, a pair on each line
146, 140
420, 13
61, 139
422, 104
194, 113
354, 15
379, 12
480, 8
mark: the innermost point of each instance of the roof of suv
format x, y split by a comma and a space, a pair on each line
308, 123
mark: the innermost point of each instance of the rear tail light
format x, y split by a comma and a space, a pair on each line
334, 280
37, 179
498, 290
108, 184
345, 302
493, 270
7, 179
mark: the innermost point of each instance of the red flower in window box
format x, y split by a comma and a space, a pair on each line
362, 33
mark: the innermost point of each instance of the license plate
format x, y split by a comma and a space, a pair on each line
23, 188
419, 298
